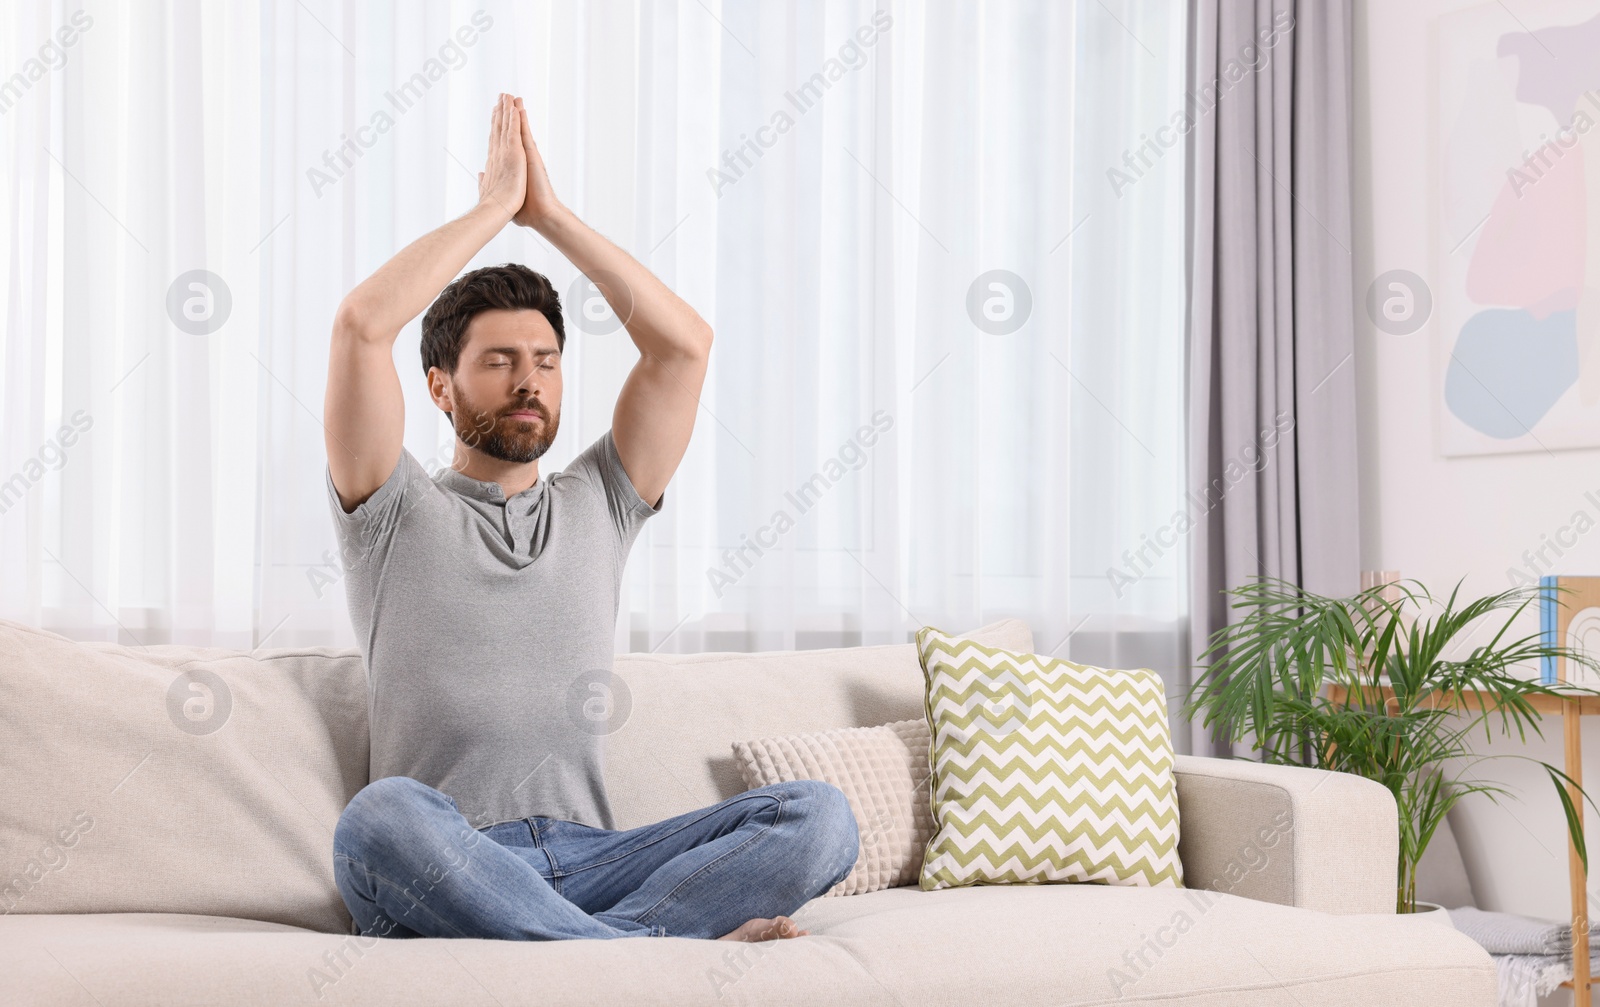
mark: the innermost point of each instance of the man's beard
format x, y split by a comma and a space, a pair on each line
497, 435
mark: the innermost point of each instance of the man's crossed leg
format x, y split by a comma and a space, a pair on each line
409, 864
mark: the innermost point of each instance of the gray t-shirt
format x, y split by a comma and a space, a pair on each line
487, 628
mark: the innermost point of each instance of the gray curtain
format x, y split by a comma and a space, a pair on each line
1271, 373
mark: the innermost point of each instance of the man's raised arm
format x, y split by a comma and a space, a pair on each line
655, 410
364, 410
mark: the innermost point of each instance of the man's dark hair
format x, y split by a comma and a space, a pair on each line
508, 286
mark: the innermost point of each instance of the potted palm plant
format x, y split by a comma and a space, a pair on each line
1388, 684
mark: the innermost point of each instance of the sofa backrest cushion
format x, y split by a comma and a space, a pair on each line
174, 779
178, 779
672, 752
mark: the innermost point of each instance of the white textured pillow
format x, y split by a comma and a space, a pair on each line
882, 770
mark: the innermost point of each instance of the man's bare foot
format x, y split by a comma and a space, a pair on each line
765, 930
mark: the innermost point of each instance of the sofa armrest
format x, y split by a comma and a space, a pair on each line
1287, 834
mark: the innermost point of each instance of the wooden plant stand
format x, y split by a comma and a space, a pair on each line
1572, 710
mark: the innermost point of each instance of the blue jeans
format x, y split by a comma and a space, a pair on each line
409, 864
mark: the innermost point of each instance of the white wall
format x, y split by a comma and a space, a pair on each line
1439, 519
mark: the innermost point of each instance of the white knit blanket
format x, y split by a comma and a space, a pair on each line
1532, 957
1526, 978
1505, 934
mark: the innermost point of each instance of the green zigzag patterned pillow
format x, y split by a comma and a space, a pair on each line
1045, 771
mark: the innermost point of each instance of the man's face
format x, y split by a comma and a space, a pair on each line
505, 396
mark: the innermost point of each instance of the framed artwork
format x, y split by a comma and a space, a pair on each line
1517, 335
1569, 617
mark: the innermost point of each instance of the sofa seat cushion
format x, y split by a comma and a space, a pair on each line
1063, 944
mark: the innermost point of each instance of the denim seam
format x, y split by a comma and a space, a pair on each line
666, 835
703, 868
418, 903
556, 873
650, 929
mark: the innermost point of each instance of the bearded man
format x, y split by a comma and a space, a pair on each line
485, 599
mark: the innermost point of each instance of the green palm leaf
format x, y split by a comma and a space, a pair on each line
1267, 675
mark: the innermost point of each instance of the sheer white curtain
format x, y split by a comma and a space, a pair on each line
940, 245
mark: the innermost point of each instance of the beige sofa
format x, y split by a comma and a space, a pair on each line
167, 813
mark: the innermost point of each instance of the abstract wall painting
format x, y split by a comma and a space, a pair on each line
1517, 338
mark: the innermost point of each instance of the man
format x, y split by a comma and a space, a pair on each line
485, 600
